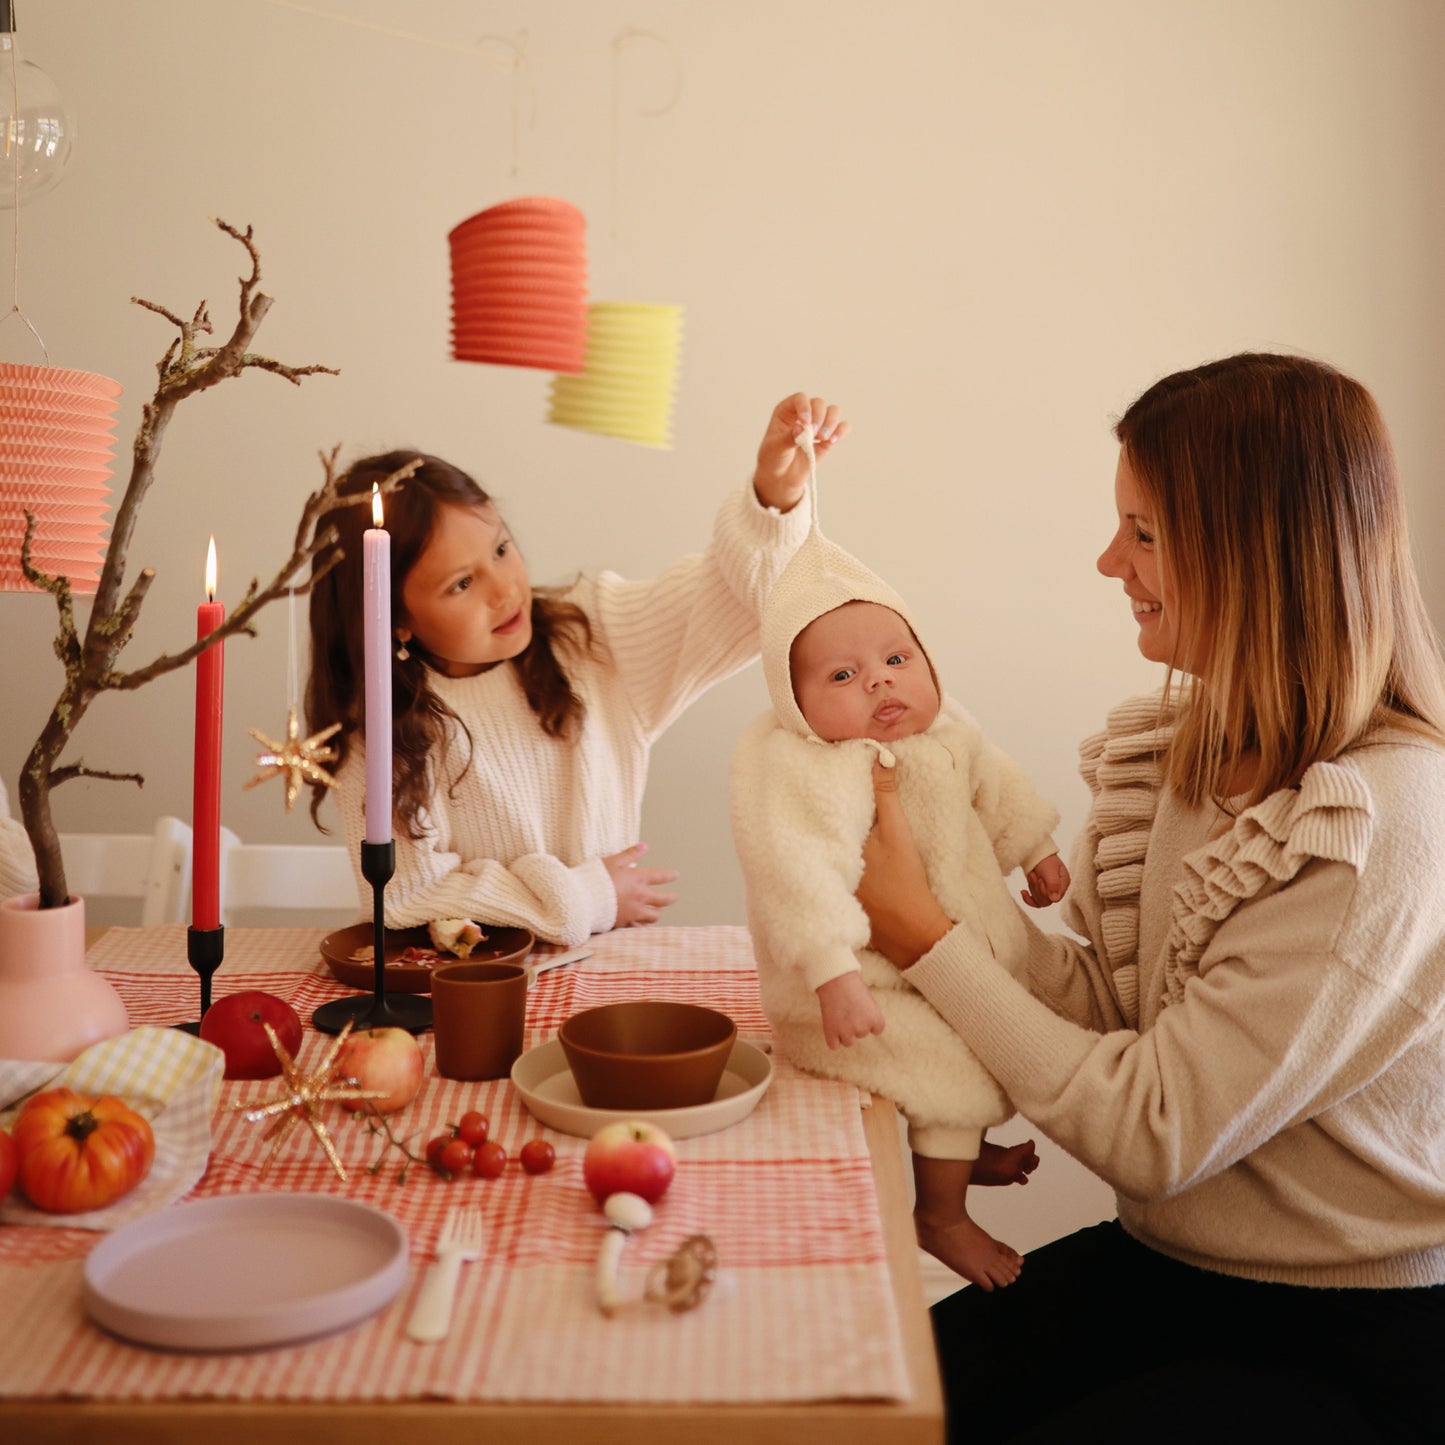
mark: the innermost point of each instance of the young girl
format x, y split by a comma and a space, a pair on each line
522, 719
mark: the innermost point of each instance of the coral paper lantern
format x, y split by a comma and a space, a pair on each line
519, 285
629, 378
56, 446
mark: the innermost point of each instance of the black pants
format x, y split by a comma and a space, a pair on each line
1102, 1339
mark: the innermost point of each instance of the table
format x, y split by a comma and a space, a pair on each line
879, 1276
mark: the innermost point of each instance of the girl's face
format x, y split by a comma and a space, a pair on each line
1132, 559
468, 600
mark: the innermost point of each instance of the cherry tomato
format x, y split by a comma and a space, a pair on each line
9, 1163
77, 1153
454, 1157
434, 1149
537, 1156
474, 1128
489, 1160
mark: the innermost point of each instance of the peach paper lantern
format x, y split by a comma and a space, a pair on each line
519, 285
629, 376
57, 441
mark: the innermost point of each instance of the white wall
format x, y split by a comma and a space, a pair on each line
983, 227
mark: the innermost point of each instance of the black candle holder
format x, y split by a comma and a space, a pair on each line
205, 948
382, 1010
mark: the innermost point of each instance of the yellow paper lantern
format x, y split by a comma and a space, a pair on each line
629, 374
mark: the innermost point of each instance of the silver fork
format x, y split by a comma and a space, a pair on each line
459, 1242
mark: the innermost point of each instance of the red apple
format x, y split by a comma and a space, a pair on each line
388, 1059
236, 1025
633, 1157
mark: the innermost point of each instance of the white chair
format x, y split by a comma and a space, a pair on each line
300, 883
153, 869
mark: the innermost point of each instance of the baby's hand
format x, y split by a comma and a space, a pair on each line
638, 900
850, 1012
1048, 882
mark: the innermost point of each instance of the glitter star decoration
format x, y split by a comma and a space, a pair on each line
301, 1101
297, 759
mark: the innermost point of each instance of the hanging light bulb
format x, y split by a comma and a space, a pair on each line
36, 134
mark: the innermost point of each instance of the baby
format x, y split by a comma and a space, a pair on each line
850, 682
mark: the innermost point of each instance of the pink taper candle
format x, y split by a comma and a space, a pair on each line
206, 794
376, 616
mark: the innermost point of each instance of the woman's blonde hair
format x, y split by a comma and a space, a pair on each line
1280, 523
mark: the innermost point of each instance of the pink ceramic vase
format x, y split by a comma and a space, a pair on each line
52, 1004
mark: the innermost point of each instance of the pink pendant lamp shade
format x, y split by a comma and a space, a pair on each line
57, 442
519, 285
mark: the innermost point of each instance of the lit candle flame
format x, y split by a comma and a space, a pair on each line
211, 571
376, 504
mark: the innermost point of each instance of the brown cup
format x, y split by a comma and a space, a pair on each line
478, 1014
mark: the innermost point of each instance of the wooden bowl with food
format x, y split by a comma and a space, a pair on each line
412, 953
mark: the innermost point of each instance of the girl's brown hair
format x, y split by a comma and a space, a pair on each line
335, 689
1280, 523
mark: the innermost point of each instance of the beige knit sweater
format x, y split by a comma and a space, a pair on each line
1250, 1046
520, 838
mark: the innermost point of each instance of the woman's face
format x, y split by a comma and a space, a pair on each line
1131, 557
468, 599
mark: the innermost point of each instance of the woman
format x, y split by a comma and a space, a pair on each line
1249, 1045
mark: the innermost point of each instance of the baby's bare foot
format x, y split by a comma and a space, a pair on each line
970, 1251
999, 1165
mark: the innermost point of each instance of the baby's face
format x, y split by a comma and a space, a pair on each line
858, 672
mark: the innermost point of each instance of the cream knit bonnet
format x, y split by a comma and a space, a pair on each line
820, 577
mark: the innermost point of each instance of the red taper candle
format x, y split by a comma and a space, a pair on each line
206, 799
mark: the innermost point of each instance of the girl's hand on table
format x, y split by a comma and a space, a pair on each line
638, 899
906, 918
781, 478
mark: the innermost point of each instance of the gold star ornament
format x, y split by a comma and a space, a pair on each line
298, 759
301, 1100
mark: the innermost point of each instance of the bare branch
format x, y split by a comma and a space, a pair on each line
79, 770
91, 663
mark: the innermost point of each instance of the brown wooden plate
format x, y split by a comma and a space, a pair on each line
501, 945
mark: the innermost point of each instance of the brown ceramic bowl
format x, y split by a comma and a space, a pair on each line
647, 1054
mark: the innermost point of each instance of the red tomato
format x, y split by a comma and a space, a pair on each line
489, 1160
434, 1150
78, 1153
537, 1156
454, 1157
474, 1127
9, 1163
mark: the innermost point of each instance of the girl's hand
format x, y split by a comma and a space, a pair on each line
638, 900
905, 916
850, 1012
782, 475
1048, 881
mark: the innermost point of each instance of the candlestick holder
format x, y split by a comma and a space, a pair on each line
403, 1011
205, 948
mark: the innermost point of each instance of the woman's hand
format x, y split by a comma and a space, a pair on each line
905, 916
782, 475
638, 900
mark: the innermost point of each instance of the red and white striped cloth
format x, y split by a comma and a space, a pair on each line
802, 1310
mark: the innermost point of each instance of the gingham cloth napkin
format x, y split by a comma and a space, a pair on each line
171, 1077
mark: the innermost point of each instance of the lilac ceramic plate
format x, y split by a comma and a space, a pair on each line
245, 1272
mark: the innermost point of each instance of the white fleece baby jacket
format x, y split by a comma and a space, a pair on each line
801, 809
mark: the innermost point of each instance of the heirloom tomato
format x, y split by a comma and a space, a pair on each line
78, 1153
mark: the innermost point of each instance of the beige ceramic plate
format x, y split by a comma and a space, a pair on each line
184, 1278
549, 1091
502, 945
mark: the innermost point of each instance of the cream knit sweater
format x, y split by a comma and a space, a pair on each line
520, 836
1251, 1045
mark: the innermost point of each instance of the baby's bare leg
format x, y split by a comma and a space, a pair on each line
944, 1229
